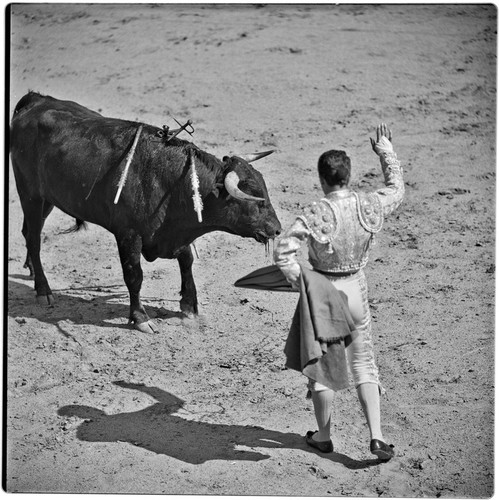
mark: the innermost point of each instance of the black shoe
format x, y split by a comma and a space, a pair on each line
382, 450
324, 446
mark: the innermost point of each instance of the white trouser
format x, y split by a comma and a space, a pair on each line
360, 352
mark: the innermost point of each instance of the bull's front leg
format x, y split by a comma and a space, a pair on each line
129, 247
188, 301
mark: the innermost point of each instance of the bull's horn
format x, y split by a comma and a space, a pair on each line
256, 156
231, 181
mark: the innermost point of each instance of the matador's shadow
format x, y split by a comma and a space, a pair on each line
157, 429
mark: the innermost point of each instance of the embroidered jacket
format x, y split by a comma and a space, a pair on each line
340, 227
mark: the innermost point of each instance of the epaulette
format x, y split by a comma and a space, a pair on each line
370, 211
322, 220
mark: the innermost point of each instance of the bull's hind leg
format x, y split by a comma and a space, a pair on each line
35, 211
188, 301
130, 247
28, 264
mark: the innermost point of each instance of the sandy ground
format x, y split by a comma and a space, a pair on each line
207, 407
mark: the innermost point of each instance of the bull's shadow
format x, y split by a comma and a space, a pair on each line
76, 306
157, 429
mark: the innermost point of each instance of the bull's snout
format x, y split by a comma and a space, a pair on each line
269, 229
273, 228
277, 231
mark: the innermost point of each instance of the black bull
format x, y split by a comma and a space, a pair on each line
68, 156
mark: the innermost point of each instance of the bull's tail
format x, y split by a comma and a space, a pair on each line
79, 224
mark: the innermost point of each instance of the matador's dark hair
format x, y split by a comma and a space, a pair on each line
334, 167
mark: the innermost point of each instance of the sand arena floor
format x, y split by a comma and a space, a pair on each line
207, 407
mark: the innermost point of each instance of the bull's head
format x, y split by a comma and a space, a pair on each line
247, 206
232, 179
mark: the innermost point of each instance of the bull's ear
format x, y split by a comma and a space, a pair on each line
216, 189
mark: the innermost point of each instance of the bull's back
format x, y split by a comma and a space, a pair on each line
67, 154
41, 124
34, 100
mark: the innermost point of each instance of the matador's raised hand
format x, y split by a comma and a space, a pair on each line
383, 140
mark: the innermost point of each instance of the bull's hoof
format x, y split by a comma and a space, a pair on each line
194, 322
187, 309
45, 300
188, 315
147, 327
31, 270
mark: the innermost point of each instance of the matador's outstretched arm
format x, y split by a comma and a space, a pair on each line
392, 195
